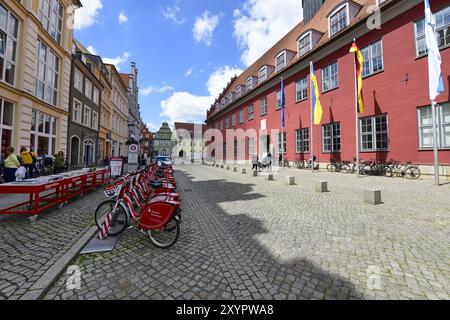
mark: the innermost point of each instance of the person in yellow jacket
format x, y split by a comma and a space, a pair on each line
28, 159
11, 165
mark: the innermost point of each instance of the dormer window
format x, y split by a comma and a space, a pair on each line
339, 19
304, 44
223, 102
238, 91
230, 97
249, 84
280, 61
262, 74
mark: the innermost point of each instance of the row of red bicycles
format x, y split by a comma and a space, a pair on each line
146, 200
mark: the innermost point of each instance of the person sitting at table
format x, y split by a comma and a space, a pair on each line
12, 163
60, 161
28, 160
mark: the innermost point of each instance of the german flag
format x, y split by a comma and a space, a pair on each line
359, 60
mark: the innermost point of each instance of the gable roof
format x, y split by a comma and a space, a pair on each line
289, 42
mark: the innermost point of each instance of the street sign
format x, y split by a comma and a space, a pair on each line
133, 154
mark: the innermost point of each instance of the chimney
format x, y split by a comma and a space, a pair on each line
310, 8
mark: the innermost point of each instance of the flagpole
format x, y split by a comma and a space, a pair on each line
312, 117
435, 145
358, 173
282, 124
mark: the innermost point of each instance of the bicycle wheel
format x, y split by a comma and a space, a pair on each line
119, 217
332, 168
345, 168
166, 237
388, 172
413, 173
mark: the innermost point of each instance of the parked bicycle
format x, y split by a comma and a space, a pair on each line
338, 166
406, 170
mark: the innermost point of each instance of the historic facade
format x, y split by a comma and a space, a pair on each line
85, 111
397, 121
135, 123
35, 70
190, 143
164, 141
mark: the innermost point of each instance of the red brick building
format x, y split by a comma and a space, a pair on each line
397, 121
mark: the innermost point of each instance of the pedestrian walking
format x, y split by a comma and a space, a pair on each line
12, 163
270, 160
60, 161
28, 161
255, 161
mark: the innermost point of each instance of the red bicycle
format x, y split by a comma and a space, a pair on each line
147, 205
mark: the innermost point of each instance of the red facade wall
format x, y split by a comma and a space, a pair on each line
385, 92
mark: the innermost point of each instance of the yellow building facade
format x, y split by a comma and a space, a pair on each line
35, 64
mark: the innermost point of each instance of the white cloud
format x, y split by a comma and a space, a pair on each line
92, 50
122, 17
187, 107
189, 72
204, 28
261, 23
152, 127
150, 90
119, 60
88, 14
171, 13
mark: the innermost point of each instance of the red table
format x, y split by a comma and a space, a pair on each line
45, 195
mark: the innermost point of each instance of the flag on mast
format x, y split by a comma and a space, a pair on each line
359, 68
317, 111
283, 105
434, 56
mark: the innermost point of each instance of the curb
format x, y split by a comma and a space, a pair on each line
38, 290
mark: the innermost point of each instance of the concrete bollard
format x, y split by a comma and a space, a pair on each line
255, 173
244, 171
270, 177
372, 196
322, 186
222, 166
290, 181
235, 169
228, 167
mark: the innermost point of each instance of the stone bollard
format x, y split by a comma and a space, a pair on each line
235, 169
222, 166
244, 171
255, 173
270, 177
217, 166
290, 181
228, 167
372, 196
322, 186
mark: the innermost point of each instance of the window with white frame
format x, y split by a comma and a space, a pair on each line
331, 138
96, 97
330, 78
251, 112
95, 120
262, 74
233, 120
227, 122
241, 116
442, 31
374, 133
373, 58
43, 133
9, 28
282, 142
280, 61
87, 116
51, 17
78, 80
339, 20
263, 106
76, 112
6, 126
426, 140
47, 74
301, 90
249, 84
278, 100
88, 89
304, 44
230, 98
302, 140
238, 91
251, 146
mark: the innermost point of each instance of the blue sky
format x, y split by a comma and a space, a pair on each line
185, 50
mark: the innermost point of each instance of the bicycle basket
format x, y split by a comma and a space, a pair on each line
113, 190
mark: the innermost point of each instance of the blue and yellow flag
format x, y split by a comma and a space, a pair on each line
315, 94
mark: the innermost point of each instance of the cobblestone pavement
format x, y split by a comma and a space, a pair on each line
29, 247
248, 238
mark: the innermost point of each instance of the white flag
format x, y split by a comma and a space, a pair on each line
434, 56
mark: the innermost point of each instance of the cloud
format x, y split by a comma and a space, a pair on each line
187, 107
92, 50
152, 127
171, 13
119, 60
87, 15
122, 17
261, 23
189, 72
150, 90
204, 28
